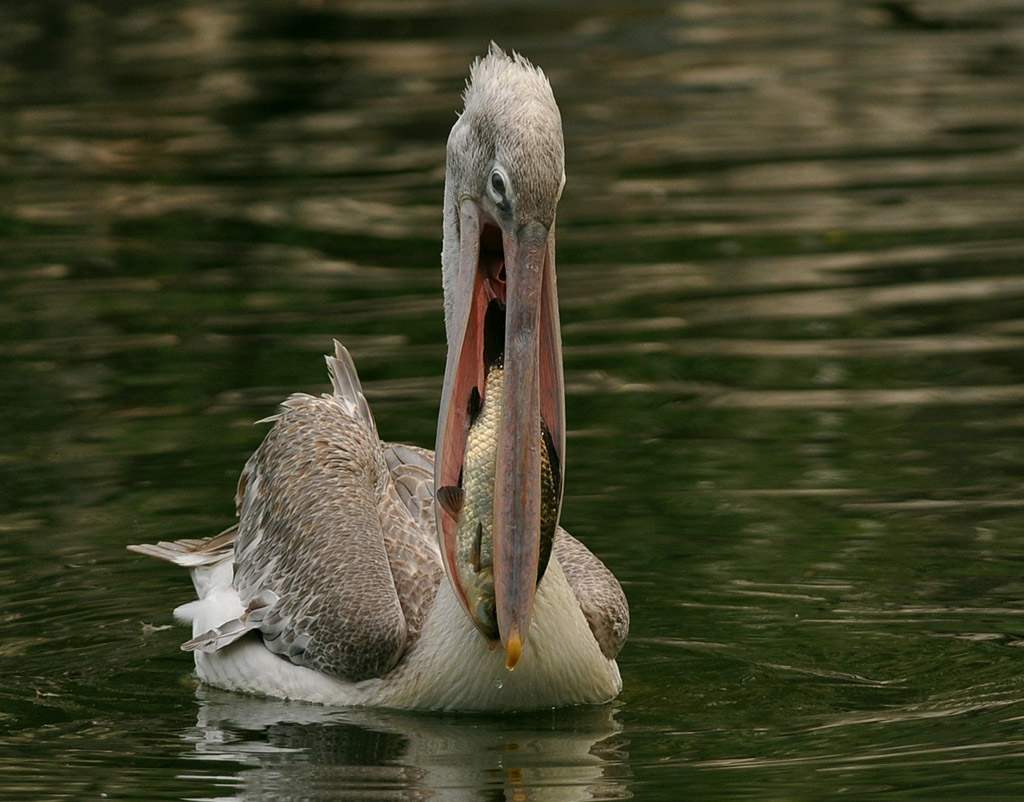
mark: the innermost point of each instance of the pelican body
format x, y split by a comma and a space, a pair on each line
346, 579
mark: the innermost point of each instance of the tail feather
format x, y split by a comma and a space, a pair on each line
234, 628
191, 552
348, 391
218, 637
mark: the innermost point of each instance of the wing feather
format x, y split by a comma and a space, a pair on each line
598, 592
323, 527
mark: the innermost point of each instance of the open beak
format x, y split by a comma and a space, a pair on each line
516, 269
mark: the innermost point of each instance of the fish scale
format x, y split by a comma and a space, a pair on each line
475, 533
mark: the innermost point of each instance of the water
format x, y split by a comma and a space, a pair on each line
790, 258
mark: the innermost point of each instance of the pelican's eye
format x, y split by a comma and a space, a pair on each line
498, 188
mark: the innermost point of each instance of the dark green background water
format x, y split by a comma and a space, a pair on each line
791, 260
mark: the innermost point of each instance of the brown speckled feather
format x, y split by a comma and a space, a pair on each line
325, 587
598, 592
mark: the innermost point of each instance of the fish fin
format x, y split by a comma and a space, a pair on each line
451, 499
474, 406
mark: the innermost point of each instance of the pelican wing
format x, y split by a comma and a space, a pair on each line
598, 592
330, 566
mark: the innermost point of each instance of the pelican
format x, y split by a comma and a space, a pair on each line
342, 582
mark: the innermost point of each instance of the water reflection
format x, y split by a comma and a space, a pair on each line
282, 750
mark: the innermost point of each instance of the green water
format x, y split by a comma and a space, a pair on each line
791, 263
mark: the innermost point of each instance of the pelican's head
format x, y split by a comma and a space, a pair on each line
505, 173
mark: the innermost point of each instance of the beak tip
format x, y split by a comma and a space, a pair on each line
513, 650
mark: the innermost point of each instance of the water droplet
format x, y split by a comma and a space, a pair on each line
497, 684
